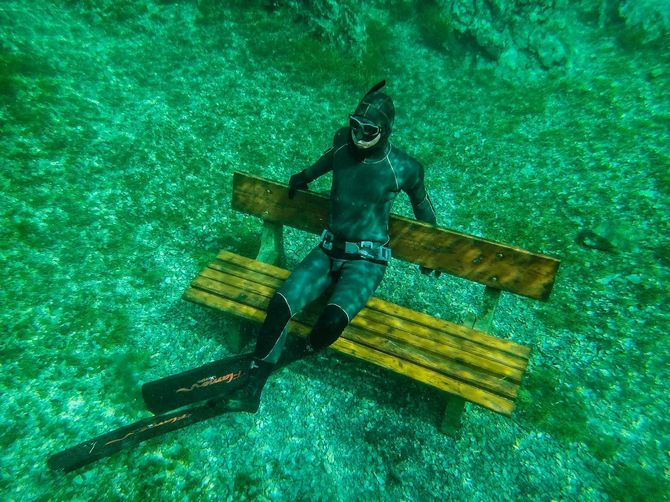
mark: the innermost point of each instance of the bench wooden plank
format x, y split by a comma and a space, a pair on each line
469, 353
441, 325
381, 322
252, 264
472, 393
487, 399
470, 374
494, 264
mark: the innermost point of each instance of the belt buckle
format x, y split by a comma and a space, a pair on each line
351, 248
326, 243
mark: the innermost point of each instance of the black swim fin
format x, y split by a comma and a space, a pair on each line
213, 380
130, 435
235, 382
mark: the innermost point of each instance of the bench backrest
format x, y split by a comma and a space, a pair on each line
496, 265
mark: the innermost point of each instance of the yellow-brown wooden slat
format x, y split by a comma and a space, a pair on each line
217, 274
254, 265
472, 393
494, 264
440, 325
246, 270
493, 362
424, 336
226, 268
217, 302
484, 398
449, 365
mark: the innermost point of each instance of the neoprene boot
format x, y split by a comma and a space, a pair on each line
248, 398
271, 337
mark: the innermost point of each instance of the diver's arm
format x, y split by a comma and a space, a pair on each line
325, 164
421, 205
320, 167
299, 180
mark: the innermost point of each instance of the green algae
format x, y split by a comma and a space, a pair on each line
557, 408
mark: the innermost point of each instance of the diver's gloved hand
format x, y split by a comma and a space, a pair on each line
297, 182
428, 271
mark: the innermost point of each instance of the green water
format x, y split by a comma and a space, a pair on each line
120, 126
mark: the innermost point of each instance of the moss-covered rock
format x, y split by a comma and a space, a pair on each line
647, 19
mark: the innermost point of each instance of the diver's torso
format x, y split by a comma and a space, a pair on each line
363, 192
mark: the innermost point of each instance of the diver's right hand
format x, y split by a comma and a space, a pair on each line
297, 182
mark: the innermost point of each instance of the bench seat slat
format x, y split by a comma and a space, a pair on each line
449, 367
442, 325
429, 337
233, 269
482, 397
472, 393
459, 350
258, 266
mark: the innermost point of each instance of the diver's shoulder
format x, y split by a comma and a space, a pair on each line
404, 160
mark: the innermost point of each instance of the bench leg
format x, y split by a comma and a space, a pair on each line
451, 422
272, 243
484, 320
241, 331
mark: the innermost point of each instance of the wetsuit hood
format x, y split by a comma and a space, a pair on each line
377, 107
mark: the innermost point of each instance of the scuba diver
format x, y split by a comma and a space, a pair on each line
368, 172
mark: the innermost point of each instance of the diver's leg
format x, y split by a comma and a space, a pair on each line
309, 280
356, 284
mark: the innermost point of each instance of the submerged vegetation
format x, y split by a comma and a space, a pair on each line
122, 122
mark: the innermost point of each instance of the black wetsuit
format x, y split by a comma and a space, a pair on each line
362, 194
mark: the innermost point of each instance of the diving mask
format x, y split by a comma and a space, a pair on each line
362, 129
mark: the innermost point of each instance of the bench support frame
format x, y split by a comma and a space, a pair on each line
483, 321
453, 412
272, 243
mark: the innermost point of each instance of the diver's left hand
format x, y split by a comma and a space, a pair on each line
428, 271
297, 182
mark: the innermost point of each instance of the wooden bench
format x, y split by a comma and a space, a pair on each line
463, 361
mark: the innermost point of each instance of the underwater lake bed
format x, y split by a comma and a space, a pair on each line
121, 124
